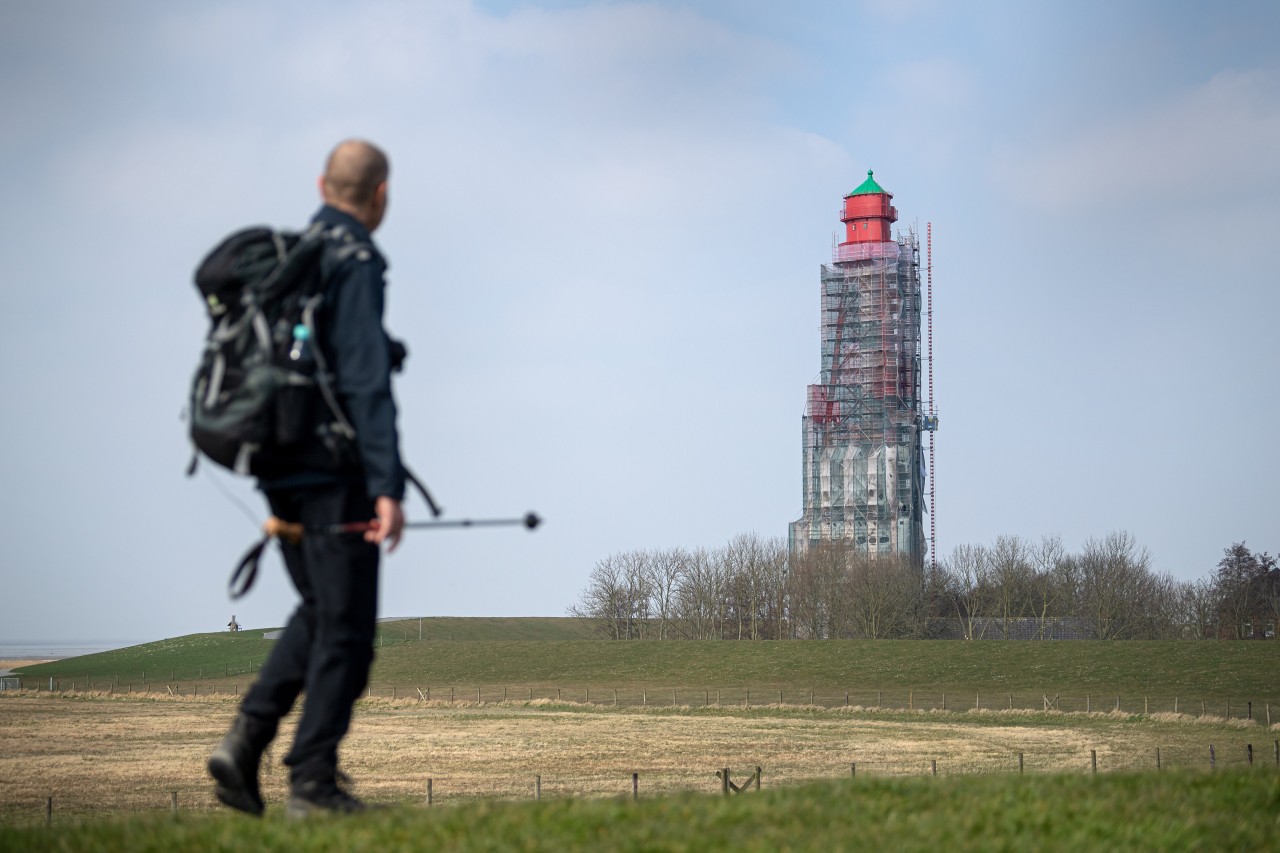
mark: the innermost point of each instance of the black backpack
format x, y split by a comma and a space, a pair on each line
262, 387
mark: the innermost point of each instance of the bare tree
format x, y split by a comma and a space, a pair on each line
700, 595
755, 576
605, 599
1010, 580
663, 571
1115, 582
816, 591
969, 569
885, 596
1198, 610
1047, 590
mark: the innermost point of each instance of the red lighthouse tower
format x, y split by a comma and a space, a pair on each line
867, 214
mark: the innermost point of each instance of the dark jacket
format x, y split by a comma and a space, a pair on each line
358, 352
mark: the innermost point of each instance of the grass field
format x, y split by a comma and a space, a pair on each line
1216, 678
112, 760
1224, 811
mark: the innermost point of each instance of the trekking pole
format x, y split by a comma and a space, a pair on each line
292, 531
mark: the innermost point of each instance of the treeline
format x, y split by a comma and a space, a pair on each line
1013, 588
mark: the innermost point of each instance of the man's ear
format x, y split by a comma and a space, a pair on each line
320, 186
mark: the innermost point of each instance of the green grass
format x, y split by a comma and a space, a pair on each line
1164, 668
1172, 811
1219, 671
472, 628
177, 658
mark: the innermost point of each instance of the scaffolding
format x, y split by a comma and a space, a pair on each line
864, 470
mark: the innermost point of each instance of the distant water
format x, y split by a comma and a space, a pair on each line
57, 649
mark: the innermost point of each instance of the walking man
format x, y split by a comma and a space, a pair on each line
327, 647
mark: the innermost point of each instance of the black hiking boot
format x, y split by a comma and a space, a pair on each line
234, 766
320, 796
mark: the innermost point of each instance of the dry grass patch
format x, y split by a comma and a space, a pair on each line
127, 753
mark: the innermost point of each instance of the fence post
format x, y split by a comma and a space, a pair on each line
48, 811
724, 781
635, 787
759, 773
853, 769
1093, 757
1157, 758
976, 704
537, 787
934, 766
1212, 758
1010, 701
1145, 712
911, 700
1249, 750
1019, 763
173, 801
1250, 709
615, 698
944, 700
428, 791
879, 698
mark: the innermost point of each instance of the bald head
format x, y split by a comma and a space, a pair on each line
355, 181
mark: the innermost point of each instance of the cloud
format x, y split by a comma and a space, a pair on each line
1211, 142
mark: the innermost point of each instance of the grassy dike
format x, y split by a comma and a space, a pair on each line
1173, 811
1205, 670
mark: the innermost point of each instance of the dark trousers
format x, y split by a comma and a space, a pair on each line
327, 647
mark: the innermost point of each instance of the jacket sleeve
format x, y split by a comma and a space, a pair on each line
362, 368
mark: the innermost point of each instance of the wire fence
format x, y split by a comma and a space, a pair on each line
1265, 711
422, 789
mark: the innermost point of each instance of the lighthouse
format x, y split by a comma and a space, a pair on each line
863, 469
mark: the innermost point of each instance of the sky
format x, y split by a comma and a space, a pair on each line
606, 226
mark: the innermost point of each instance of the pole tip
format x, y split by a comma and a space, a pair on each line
531, 520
